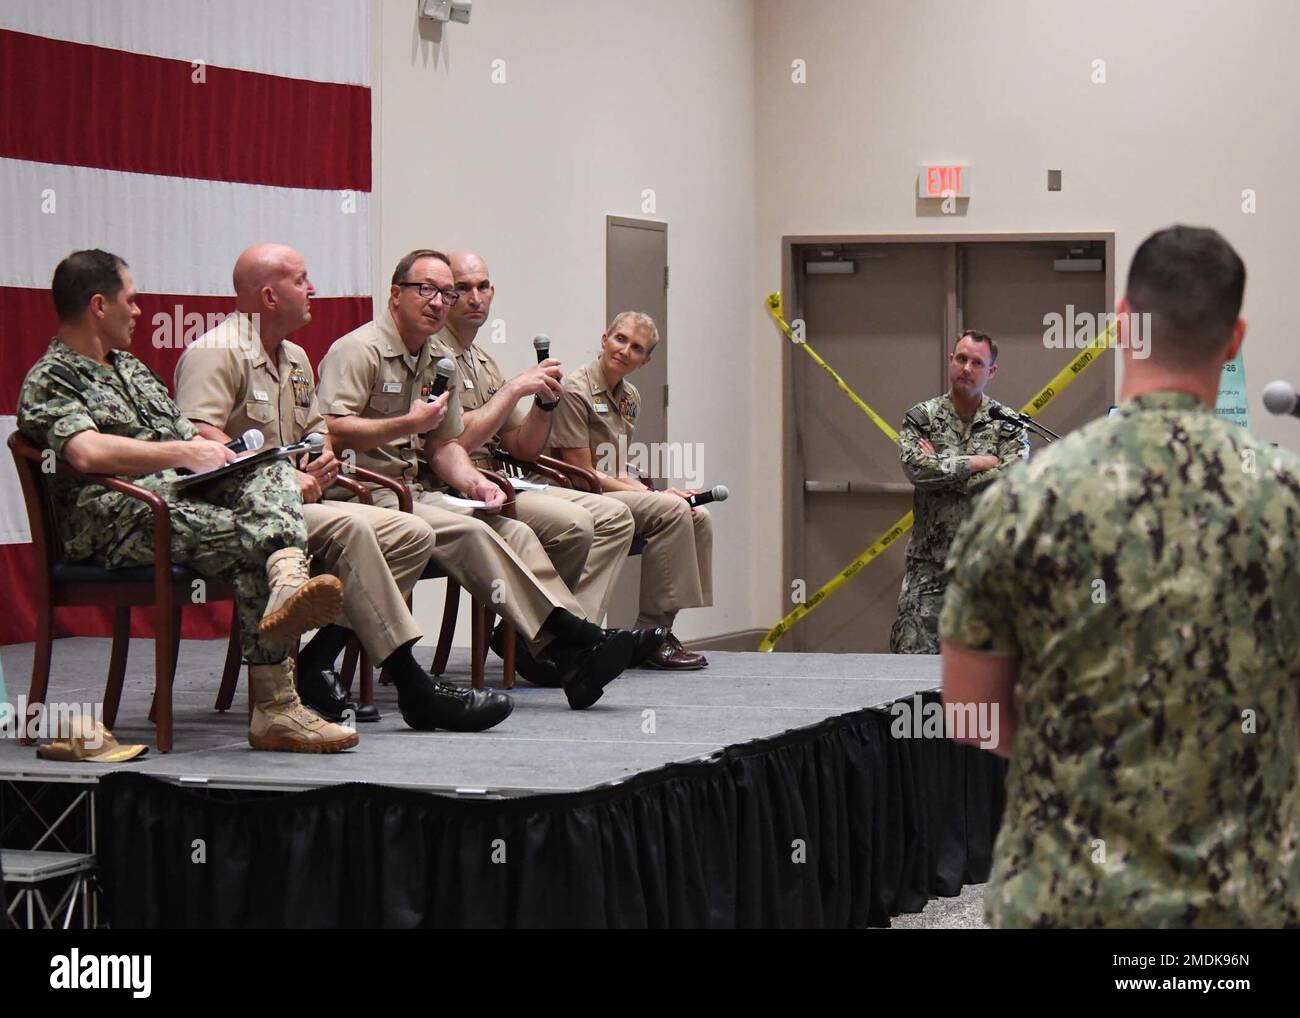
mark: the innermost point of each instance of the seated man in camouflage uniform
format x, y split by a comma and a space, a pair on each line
951, 449
104, 412
1125, 608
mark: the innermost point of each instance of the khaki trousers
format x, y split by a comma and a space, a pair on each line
378, 554
586, 538
677, 562
499, 561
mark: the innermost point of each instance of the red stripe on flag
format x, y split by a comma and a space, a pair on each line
28, 323
69, 103
18, 620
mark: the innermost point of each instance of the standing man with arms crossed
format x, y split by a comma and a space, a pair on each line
246, 374
951, 449
586, 536
374, 384
104, 412
1127, 606
599, 407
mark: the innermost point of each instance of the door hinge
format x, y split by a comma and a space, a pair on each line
665, 277
665, 394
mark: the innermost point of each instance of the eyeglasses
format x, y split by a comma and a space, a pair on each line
428, 291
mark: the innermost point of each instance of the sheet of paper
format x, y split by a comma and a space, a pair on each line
463, 503
519, 484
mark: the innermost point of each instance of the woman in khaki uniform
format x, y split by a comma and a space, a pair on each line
597, 413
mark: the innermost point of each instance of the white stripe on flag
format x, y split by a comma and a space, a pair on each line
323, 40
178, 235
13, 513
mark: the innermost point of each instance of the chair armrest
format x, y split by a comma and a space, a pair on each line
356, 487
396, 487
507, 510
580, 477
162, 522
528, 466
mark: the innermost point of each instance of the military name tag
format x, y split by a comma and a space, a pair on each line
600, 408
468, 384
260, 395
392, 387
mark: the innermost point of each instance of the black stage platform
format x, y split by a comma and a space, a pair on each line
760, 791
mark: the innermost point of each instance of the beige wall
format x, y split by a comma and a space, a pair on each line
1200, 103
601, 101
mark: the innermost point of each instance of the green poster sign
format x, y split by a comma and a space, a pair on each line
1231, 404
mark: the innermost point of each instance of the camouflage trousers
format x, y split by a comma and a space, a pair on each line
916, 630
223, 531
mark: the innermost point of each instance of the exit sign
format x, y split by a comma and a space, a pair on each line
942, 181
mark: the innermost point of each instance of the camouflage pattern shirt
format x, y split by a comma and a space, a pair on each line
65, 394
945, 486
1145, 572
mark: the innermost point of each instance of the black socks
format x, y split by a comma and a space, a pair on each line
403, 669
324, 648
567, 626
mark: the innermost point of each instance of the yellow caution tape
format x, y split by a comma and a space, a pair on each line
1060, 381
777, 311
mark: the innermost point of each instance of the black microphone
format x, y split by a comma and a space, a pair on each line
1280, 398
542, 344
442, 372
715, 494
1002, 413
250, 440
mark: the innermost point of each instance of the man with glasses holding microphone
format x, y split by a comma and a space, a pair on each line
951, 448
375, 389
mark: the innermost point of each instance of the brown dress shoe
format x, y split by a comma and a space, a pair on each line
672, 656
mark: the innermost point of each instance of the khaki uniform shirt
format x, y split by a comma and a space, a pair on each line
479, 378
369, 373
1145, 572
65, 394
593, 416
226, 379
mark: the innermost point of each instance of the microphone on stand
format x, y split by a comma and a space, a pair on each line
250, 441
1280, 398
718, 493
542, 344
1002, 413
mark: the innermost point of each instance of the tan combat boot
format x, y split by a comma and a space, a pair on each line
298, 601
281, 723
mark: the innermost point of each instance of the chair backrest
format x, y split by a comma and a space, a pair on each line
30, 463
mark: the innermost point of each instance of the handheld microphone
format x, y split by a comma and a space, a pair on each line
542, 344
1280, 398
442, 372
715, 494
250, 441
315, 443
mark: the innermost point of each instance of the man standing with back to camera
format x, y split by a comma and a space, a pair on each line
951, 449
1125, 607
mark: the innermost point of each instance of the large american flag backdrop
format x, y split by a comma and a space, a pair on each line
173, 134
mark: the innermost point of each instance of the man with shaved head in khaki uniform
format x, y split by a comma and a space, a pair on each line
586, 536
376, 389
598, 409
245, 374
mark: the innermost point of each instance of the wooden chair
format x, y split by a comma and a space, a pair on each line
164, 585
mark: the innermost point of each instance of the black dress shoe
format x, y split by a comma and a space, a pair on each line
527, 667
586, 671
428, 705
323, 692
647, 642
